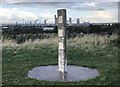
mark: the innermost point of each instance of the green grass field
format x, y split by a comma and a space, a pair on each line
90, 51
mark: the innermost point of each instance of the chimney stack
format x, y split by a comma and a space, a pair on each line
78, 21
55, 20
45, 22
70, 21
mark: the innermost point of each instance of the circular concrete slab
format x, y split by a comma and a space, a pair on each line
51, 73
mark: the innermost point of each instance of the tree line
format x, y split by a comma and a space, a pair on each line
98, 29
22, 33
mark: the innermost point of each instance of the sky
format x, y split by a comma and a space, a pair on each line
93, 11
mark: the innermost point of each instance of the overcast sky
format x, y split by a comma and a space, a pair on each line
30, 10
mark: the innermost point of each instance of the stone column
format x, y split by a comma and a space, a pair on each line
62, 25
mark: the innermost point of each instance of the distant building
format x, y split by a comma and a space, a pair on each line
78, 21
45, 23
55, 20
70, 21
86, 23
30, 22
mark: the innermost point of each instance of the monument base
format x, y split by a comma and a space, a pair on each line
74, 73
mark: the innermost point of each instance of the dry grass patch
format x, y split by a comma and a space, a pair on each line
89, 42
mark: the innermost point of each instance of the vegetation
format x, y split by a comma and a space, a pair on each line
98, 29
22, 33
98, 51
27, 47
20, 38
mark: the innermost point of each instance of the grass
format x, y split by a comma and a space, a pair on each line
90, 51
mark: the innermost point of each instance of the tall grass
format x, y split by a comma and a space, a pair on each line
88, 50
88, 42
13, 43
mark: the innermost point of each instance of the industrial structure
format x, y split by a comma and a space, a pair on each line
38, 23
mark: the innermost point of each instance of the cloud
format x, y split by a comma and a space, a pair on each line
5, 15
5, 11
18, 1
10, 15
26, 15
13, 14
46, 15
25, 10
89, 6
101, 16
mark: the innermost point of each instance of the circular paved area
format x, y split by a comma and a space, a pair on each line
51, 73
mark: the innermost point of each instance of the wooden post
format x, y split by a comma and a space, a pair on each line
62, 25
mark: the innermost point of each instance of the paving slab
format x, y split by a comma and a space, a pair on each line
74, 73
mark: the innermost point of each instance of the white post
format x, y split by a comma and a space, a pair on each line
62, 24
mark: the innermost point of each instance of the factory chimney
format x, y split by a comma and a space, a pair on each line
70, 21
78, 21
55, 20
